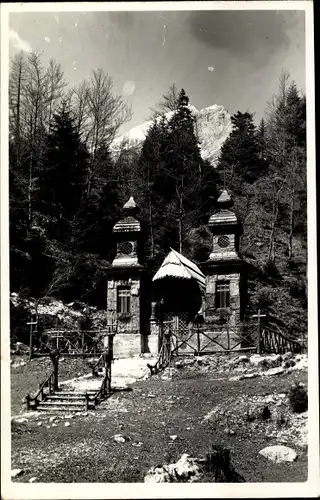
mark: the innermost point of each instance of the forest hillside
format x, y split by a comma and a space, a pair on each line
67, 187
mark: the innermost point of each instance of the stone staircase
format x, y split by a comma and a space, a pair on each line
66, 401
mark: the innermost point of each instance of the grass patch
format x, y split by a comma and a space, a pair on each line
25, 379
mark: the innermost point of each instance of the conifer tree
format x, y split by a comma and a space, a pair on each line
240, 158
62, 180
180, 186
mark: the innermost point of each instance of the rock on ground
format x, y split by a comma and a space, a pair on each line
185, 469
278, 453
274, 371
16, 472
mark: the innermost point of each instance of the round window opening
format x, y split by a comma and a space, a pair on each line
223, 241
127, 248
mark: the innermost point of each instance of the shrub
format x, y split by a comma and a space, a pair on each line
297, 288
282, 421
298, 397
266, 413
271, 271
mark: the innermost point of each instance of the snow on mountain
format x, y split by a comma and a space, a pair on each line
213, 126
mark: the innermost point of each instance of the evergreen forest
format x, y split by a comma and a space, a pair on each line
67, 189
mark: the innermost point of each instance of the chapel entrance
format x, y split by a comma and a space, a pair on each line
178, 288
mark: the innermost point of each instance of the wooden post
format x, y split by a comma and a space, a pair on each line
28, 401
228, 334
198, 340
31, 323
109, 361
160, 335
82, 341
54, 356
87, 401
259, 316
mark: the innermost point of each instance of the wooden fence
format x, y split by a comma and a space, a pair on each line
261, 338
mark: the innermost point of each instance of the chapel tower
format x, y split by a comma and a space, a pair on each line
125, 276
224, 268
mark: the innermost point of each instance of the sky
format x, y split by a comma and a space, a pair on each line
231, 58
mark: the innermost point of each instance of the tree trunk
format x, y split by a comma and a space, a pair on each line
291, 222
180, 215
276, 194
30, 190
150, 214
18, 117
292, 200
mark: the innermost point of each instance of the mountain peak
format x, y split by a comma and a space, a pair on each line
212, 126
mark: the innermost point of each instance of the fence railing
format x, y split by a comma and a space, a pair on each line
273, 340
264, 337
69, 342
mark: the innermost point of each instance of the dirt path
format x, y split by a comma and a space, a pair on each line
125, 372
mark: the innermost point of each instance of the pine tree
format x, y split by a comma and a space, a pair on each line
62, 180
179, 186
240, 157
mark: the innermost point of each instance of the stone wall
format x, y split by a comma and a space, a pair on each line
211, 313
132, 324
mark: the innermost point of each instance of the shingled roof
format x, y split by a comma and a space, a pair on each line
176, 265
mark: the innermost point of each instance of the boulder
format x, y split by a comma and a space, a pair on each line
186, 469
287, 355
301, 362
256, 359
16, 472
157, 475
21, 420
278, 453
274, 371
243, 359
120, 438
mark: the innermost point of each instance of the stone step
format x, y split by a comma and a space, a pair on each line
65, 397
62, 403
74, 393
66, 408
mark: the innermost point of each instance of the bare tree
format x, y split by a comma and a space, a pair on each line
78, 98
55, 86
286, 157
16, 82
34, 93
169, 102
99, 113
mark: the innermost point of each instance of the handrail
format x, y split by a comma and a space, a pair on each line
36, 399
94, 367
295, 341
43, 385
278, 342
163, 359
155, 368
98, 394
